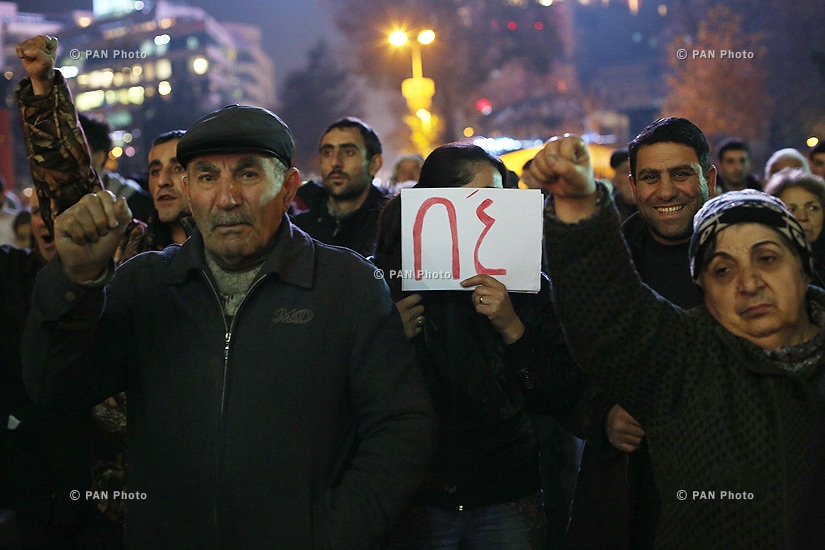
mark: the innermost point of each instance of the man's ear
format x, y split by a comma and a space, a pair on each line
711, 179
632, 181
376, 162
292, 181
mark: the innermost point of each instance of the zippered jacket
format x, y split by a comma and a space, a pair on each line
305, 423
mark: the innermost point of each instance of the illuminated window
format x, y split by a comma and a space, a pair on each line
101, 79
200, 65
87, 101
163, 69
135, 94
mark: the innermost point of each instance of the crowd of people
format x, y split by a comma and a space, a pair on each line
212, 362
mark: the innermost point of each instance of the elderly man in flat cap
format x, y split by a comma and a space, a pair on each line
273, 398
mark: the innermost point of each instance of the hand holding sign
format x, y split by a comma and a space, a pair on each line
491, 299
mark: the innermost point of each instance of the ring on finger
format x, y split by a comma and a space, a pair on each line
481, 299
420, 321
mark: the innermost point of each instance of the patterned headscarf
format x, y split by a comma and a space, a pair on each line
746, 206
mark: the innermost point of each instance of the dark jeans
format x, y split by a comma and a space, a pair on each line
518, 525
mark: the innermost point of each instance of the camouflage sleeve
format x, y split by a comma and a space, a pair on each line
135, 240
56, 147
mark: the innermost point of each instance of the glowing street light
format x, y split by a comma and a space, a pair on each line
418, 90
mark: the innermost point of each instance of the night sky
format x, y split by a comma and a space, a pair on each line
290, 27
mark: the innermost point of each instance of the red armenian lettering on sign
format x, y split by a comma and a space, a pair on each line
488, 222
418, 226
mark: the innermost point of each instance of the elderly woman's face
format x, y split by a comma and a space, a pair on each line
806, 208
755, 287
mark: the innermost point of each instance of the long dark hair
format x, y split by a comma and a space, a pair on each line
460, 352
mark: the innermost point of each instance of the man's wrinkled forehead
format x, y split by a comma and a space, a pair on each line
216, 163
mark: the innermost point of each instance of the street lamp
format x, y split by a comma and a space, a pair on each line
418, 90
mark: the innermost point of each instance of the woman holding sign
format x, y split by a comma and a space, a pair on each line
489, 358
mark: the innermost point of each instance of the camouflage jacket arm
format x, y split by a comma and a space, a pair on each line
59, 157
56, 147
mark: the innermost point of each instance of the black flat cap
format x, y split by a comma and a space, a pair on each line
237, 129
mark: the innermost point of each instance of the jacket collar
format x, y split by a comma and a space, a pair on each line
315, 196
292, 258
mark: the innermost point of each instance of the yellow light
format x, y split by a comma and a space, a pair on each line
86, 101
84, 21
136, 98
812, 141
423, 114
469, 131
164, 88
117, 152
163, 69
200, 65
398, 38
426, 36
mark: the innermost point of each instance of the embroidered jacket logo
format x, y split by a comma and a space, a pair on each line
299, 316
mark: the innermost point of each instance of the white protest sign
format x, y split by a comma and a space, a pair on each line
450, 234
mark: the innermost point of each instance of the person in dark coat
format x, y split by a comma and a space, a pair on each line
285, 408
343, 208
490, 357
726, 392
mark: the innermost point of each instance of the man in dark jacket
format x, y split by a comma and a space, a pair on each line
616, 504
343, 209
285, 408
735, 167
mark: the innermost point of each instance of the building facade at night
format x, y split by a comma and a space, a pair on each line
149, 68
